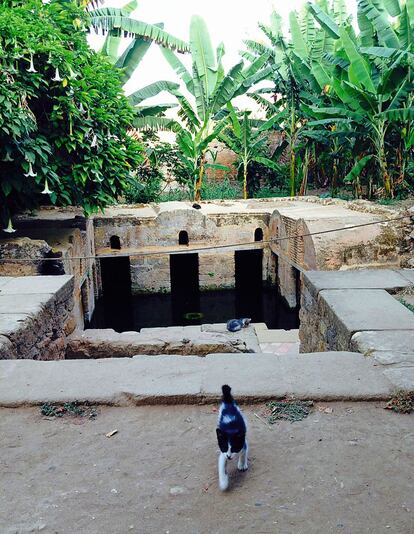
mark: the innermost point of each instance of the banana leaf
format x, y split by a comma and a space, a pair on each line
328, 24
132, 56
110, 18
203, 55
379, 20
358, 168
358, 70
151, 90
298, 42
179, 68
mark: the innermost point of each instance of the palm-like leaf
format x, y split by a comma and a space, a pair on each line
358, 168
111, 18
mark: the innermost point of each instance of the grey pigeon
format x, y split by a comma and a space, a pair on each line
234, 325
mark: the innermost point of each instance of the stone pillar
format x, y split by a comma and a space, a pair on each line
150, 274
287, 282
216, 270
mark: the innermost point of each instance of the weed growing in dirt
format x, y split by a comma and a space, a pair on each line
288, 410
68, 408
401, 402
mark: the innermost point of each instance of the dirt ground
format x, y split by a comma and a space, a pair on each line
349, 471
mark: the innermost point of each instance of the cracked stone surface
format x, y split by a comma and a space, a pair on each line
106, 343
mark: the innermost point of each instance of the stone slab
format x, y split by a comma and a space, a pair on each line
319, 376
106, 343
278, 336
10, 323
174, 379
367, 309
395, 347
180, 330
408, 274
357, 279
390, 341
3, 281
35, 284
259, 326
31, 304
248, 335
402, 378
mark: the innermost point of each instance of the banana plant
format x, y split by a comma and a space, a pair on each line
247, 141
118, 23
209, 88
373, 87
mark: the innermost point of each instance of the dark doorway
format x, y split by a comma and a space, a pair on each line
249, 284
115, 242
248, 269
184, 287
116, 290
258, 234
183, 238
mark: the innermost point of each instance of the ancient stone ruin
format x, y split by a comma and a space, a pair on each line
76, 260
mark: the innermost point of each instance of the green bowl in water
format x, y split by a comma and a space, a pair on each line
193, 316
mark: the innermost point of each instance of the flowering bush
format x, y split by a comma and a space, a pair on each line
63, 116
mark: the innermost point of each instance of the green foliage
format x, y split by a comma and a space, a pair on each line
223, 189
344, 99
162, 165
63, 117
210, 89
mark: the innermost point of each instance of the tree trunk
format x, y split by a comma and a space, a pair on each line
199, 181
244, 181
292, 172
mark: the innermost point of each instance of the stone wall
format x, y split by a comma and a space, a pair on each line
36, 316
216, 271
337, 305
150, 274
151, 230
65, 236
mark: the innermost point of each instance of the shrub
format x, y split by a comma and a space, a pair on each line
63, 116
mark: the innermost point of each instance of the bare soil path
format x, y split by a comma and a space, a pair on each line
349, 471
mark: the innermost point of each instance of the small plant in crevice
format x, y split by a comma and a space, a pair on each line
401, 402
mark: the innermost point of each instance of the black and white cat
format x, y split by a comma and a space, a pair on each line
231, 436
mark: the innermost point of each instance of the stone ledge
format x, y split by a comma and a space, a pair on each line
395, 347
358, 279
367, 309
173, 379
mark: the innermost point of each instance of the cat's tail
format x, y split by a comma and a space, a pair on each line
227, 396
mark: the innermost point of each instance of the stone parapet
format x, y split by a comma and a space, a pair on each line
36, 315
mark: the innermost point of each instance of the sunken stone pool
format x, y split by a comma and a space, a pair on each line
132, 312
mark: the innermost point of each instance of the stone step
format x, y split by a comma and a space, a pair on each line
185, 380
278, 336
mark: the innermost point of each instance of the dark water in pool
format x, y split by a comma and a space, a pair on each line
146, 311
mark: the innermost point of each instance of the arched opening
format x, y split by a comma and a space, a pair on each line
183, 238
115, 242
258, 234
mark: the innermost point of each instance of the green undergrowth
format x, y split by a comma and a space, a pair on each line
288, 410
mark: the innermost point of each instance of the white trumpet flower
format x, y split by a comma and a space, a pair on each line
31, 68
72, 74
30, 174
46, 190
9, 229
94, 141
7, 157
57, 77
82, 109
